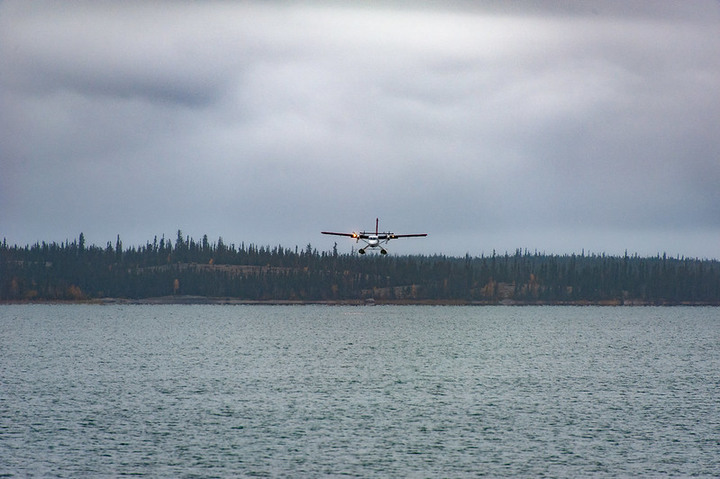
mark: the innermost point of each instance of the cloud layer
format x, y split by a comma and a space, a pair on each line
547, 128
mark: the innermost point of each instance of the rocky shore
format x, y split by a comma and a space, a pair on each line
199, 300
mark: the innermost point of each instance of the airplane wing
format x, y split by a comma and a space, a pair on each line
393, 236
351, 235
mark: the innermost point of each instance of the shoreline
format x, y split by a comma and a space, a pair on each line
204, 300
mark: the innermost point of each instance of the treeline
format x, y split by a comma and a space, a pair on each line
76, 271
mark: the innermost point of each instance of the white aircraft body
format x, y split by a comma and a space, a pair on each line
373, 240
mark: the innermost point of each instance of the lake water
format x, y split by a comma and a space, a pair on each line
383, 391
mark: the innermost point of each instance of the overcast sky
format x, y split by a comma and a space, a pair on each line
552, 126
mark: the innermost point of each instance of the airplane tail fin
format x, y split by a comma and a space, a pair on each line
377, 222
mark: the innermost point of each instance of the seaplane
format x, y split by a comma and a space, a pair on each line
374, 240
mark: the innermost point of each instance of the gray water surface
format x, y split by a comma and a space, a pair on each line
397, 391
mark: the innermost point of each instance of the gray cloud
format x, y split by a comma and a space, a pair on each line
558, 127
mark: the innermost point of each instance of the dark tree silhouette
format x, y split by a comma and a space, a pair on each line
76, 271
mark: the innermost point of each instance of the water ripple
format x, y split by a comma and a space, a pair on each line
224, 391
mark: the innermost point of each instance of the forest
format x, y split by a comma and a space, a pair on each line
183, 268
